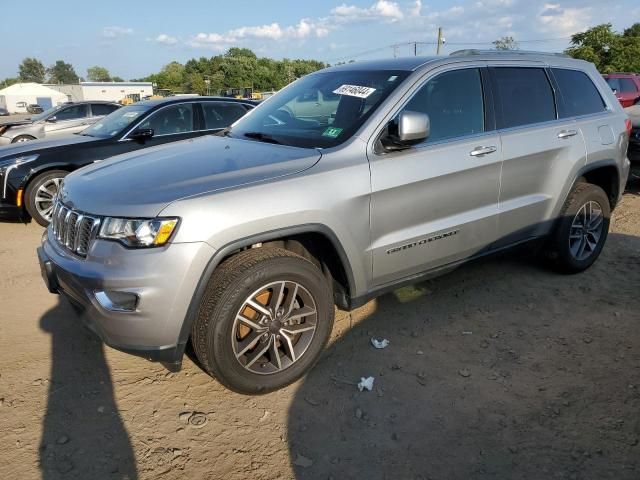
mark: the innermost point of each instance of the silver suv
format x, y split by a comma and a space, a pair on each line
243, 242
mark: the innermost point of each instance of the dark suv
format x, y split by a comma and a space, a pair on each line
626, 86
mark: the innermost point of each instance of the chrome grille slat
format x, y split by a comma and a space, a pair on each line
74, 230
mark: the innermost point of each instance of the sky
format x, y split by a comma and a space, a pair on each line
134, 38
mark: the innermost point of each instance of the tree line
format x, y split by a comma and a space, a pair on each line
608, 49
237, 68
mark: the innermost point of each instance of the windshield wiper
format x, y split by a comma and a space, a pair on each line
262, 137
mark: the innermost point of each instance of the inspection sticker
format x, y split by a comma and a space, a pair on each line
332, 132
354, 91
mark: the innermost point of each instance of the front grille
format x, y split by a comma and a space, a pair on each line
74, 230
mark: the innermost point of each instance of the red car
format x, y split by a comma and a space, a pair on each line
626, 86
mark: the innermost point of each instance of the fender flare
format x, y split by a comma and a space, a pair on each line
223, 252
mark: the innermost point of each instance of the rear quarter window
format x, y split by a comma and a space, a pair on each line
580, 96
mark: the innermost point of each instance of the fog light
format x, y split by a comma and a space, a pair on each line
117, 301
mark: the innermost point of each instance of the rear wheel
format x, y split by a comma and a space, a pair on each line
41, 193
264, 320
582, 229
23, 138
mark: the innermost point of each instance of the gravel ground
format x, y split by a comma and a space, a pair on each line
498, 370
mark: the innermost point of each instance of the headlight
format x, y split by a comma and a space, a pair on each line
17, 160
136, 232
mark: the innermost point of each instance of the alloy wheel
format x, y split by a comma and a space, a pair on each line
45, 196
586, 230
274, 327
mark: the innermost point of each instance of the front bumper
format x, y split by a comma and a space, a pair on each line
164, 279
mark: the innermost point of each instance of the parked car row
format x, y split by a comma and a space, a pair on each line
61, 120
348, 183
31, 173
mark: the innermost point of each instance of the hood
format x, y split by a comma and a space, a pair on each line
16, 123
36, 146
141, 184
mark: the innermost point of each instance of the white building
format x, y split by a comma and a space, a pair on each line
16, 97
107, 91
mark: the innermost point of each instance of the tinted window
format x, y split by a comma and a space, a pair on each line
221, 115
454, 103
578, 92
345, 100
170, 120
622, 85
101, 109
525, 96
72, 113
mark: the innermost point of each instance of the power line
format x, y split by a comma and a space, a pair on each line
394, 46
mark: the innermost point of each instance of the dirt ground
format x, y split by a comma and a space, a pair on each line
498, 370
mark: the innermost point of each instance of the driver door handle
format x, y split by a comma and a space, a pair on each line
481, 151
567, 133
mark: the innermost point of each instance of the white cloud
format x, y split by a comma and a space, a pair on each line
416, 9
557, 20
113, 32
165, 39
304, 29
381, 10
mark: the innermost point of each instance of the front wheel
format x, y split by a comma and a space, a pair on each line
264, 320
23, 138
582, 229
40, 195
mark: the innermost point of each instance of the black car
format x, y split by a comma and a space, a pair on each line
34, 108
634, 146
31, 172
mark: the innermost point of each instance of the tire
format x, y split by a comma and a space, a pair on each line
562, 251
40, 193
216, 333
23, 138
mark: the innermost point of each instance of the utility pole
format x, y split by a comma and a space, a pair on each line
415, 49
395, 51
440, 38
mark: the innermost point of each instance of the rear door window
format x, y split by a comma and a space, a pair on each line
454, 102
524, 96
580, 96
221, 114
72, 113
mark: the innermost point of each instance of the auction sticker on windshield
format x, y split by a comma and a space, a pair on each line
354, 91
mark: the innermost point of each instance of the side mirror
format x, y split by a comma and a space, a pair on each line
410, 128
52, 119
413, 127
141, 134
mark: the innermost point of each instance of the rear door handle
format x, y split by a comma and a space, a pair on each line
480, 151
567, 133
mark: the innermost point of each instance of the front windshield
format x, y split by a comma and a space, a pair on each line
115, 122
45, 114
321, 110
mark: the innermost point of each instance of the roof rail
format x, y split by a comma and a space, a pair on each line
474, 51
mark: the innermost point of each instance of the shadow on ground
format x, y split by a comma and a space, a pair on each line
83, 434
498, 370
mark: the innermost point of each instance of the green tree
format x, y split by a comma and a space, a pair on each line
7, 82
98, 74
62, 72
609, 50
31, 70
116, 78
506, 43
